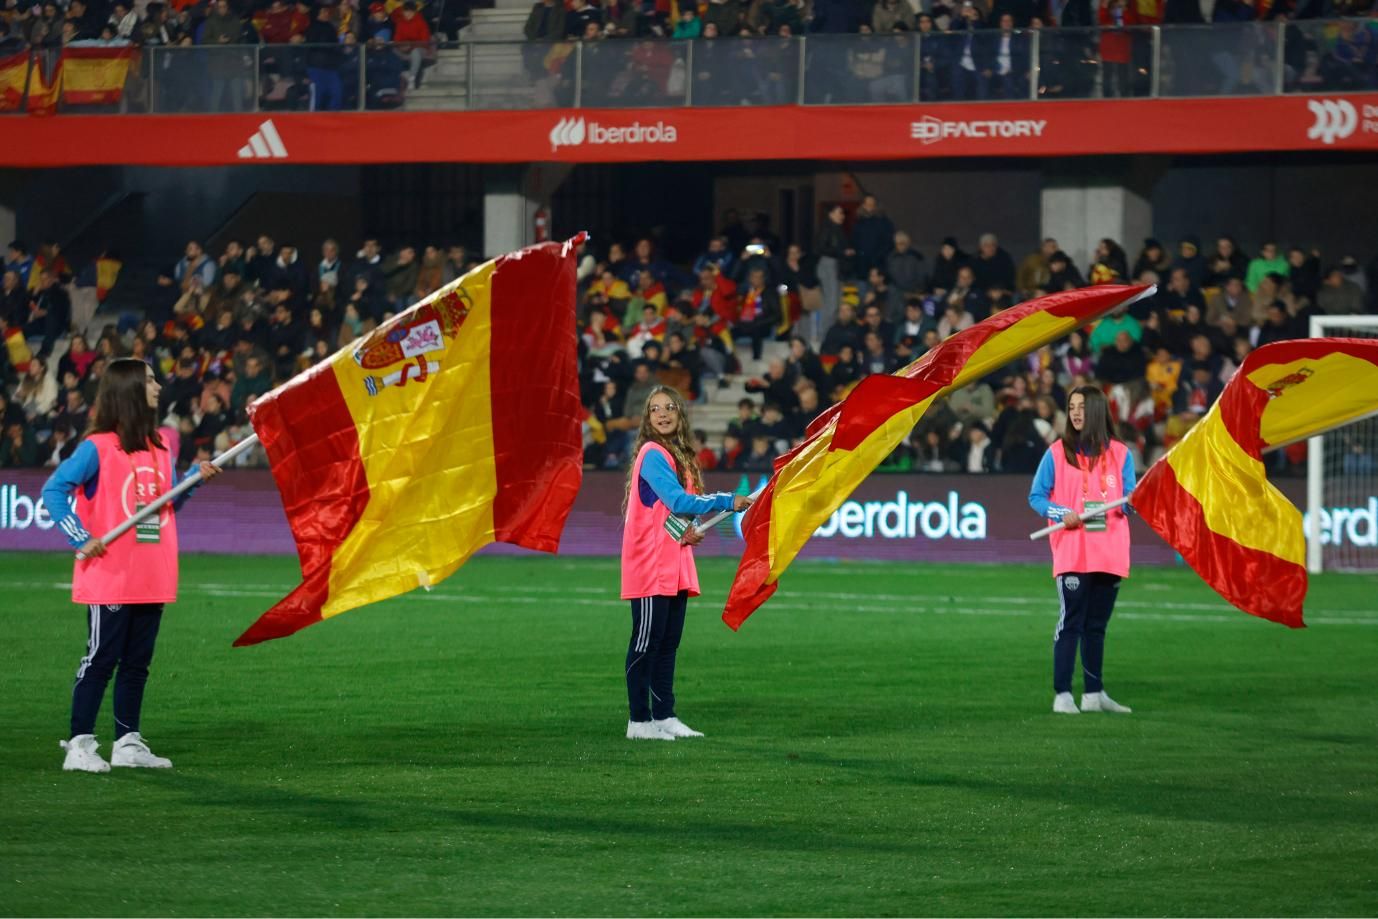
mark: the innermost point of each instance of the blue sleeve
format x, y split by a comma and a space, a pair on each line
1042, 489
660, 478
1129, 478
80, 470
178, 479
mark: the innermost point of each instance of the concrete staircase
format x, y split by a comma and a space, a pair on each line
713, 416
494, 37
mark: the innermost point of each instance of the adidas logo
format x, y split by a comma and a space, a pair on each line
264, 144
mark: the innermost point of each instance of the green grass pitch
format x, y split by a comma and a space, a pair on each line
879, 742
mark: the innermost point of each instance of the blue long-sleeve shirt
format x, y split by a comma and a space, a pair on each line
658, 481
1042, 487
81, 470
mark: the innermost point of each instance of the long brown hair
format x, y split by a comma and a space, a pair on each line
680, 444
122, 406
1094, 437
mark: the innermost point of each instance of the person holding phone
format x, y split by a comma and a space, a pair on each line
1080, 474
662, 496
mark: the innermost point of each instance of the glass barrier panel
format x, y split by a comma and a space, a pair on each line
518, 75
1326, 56
975, 64
634, 73
1221, 59
859, 69
746, 71
1103, 63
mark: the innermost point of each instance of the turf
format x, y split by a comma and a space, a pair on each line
879, 742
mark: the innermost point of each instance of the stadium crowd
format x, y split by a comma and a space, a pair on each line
321, 54
795, 328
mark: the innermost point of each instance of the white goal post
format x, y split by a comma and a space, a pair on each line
1342, 477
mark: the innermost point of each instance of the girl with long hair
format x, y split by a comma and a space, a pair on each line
125, 462
1085, 470
663, 494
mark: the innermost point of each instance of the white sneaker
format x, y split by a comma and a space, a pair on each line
1100, 702
676, 727
130, 750
1064, 704
83, 754
647, 730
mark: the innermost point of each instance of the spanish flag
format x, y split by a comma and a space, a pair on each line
849, 440
95, 76
453, 425
1209, 496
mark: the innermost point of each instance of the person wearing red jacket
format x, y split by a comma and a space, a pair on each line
413, 36
1116, 47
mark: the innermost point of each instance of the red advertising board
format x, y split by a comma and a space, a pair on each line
1344, 122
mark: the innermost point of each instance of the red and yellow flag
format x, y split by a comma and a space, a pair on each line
845, 443
454, 425
95, 76
1210, 498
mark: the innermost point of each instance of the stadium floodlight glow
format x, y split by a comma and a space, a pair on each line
1342, 477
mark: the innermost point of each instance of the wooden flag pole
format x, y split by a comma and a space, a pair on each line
183, 487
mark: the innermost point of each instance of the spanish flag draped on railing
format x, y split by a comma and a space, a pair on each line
1209, 496
454, 425
845, 443
75, 75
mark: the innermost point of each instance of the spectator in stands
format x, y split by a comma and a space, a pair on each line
1062, 274
967, 295
1277, 325
324, 60
1151, 258
904, 266
18, 260
50, 313
1034, 270
834, 252
281, 23
1179, 294
1226, 262
872, 236
879, 293
777, 386
909, 333
945, 266
1189, 257
969, 66
1122, 363
717, 254
876, 356
255, 381
842, 333
758, 312
1106, 331
1234, 300
412, 37
1304, 272
803, 364
224, 67
195, 264
400, 273
1338, 295
1267, 262
993, 269
14, 300
1110, 265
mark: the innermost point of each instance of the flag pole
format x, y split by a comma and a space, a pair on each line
1272, 448
1118, 502
184, 486
720, 516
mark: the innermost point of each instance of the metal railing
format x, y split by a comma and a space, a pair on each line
1255, 58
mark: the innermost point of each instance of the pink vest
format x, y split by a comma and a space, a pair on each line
130, 571
654, 564
1078, 550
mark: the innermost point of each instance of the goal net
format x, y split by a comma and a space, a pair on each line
1342, 477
